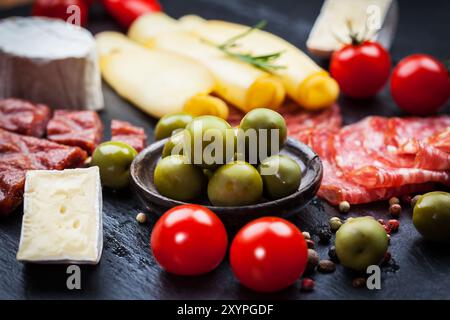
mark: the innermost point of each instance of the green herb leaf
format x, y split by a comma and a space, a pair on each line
263, 62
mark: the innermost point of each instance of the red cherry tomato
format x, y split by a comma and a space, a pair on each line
268, 254
189, 240
361, 70
72, 11
420, 84
126, 11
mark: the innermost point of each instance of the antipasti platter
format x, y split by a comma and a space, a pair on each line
225, 150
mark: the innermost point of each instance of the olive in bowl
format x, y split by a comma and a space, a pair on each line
237, 183
170, 123
114, 159
262, 119
177, 179
208, 137
281, 176
174, 145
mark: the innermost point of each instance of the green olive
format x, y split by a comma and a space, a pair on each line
281, 176
176, 178
431, 216
171, 122
208, 136
174, 145
258, 119
114, 159
235, 184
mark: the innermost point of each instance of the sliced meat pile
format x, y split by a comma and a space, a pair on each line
377, 158
125, 132
76, 128
20, 153
24, 117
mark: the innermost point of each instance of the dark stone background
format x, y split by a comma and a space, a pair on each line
128, 270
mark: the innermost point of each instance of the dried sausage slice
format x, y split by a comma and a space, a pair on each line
76, 128
21, 153
125, 132
24, 117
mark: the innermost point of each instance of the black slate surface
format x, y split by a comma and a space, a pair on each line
128, 270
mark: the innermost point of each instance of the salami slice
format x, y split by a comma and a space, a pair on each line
20, 153
76, 128
23, 117
125, 132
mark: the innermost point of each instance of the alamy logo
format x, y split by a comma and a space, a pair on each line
74, 279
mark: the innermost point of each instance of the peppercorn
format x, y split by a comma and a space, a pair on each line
344, 206
332, 254
414, 200
141, 217
313, 261
325, 235
381, 221
335, 224
326, 266
387, 229
393, 224
395, 210
307, 284
394, 200
310, 244
306, 235
358, 282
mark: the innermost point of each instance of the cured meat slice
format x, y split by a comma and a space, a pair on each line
23, 117
125, 132
335, 188
21, 153
374, 177
76, 128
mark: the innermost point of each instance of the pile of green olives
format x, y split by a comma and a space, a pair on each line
232, 166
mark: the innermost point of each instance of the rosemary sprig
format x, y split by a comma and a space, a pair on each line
263, 62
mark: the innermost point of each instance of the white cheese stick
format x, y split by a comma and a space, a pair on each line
156, 81
239, 83
305, 82
62, 221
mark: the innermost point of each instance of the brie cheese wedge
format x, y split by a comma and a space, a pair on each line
374, 19
49, 61
62, 221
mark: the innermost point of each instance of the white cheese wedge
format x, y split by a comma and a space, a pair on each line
49, 61
62, 221
365, 15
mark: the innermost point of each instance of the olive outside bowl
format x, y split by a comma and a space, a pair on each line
144, 165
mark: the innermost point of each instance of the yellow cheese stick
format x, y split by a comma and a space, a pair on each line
304, 80
237, 82
155, 81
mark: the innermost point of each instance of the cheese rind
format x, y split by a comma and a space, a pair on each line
49, 61
62, 220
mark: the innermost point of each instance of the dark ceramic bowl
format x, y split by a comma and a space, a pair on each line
142, 179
